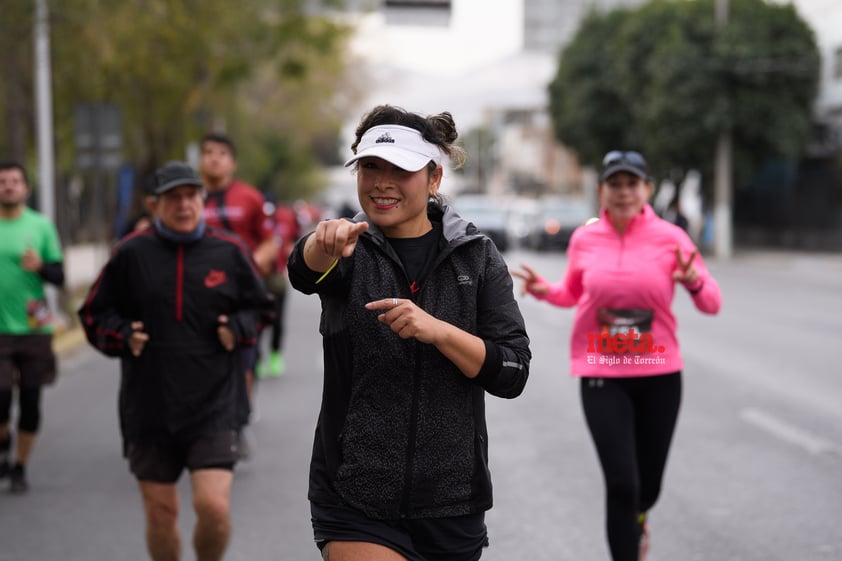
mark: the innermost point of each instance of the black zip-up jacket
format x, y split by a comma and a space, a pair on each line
401, 431
184, 383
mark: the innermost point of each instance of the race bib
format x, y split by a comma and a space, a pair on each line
623, 330
38, 314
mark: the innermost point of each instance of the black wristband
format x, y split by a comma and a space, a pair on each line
698, 288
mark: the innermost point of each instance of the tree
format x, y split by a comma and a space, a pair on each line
16, 81
267, 71
588, 111
664, 80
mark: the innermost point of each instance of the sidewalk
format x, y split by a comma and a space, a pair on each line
82, 264
66, 340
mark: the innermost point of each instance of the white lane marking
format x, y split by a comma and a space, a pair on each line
776, 427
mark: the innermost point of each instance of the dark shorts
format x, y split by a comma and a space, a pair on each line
250, 358
163, 462
27, 360
457, 538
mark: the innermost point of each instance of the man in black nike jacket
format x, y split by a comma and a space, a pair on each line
177, 302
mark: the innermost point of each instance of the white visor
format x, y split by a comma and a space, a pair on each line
402, 146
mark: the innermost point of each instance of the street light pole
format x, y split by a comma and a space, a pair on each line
723, 173
44, 111
44, 127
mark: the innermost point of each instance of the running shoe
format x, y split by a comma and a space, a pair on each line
17, 478
261, 371
276, 364
5, 469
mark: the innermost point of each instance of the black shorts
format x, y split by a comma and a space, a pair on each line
457, 538
27, 360
250, 358
164, 461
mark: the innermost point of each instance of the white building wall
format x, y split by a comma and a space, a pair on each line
551, 24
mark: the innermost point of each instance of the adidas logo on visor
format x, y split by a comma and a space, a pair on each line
402, 146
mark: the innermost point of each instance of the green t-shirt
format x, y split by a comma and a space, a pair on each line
21, 290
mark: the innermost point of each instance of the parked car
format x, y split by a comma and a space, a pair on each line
557, 220
487, 214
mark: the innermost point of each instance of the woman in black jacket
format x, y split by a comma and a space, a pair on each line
419, 321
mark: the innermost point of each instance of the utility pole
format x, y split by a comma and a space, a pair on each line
723, 173
44, 111
44, 128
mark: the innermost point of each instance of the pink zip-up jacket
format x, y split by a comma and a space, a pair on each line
622, 286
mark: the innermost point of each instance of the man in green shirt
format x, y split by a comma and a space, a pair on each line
30, 255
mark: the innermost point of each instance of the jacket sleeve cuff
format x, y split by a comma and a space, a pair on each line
122, 340
490, 370
53, 273
695, 287
297, 266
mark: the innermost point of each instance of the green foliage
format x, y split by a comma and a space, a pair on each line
585, 101
16, 112
264, 70
665, 79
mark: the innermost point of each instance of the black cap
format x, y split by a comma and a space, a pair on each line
630, 162
174, 174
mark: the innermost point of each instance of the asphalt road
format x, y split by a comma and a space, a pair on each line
754, 473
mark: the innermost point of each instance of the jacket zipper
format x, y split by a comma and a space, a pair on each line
416, 383
411, 437
416, 390
412, 431
179, 284
622, 251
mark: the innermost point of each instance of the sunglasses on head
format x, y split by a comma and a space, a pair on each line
619, 156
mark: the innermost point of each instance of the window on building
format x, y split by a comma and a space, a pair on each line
417, 12
440, 4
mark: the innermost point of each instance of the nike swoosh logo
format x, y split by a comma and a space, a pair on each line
214, 279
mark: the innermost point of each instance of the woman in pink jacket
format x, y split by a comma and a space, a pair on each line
621, 275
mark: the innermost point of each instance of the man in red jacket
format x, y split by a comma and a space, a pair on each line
287, 232
232, 204
237, 207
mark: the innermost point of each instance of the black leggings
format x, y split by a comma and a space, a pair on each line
278, 321
29, 407
631, 421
